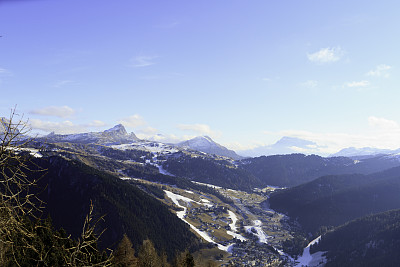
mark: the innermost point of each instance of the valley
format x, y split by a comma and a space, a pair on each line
199, 133
227, 210
246, 231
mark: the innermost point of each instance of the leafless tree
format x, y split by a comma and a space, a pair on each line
18, 204
16, 201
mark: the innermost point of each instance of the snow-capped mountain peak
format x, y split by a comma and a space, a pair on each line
286, 145
114, 135
207, 145
118, 129
200, 141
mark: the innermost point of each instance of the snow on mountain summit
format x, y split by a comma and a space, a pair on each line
200, 142
364, 151
117, 129
286, 145
114, 135
207, 145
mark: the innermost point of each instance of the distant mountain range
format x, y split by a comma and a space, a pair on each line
286, 145
194, 159
118, 135
365, 151
295, 169
289, 145
115, 135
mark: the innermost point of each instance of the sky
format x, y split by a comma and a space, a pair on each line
245, 73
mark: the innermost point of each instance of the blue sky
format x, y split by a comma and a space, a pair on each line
245, 73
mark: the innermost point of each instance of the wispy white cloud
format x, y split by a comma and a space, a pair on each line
381, 70
56, 111
168, 25
62, 83
310, 84
5, 72
133, 121
357, 84
326, 55
148, 131
238, 146
143, 130
97, 123
199, 129
2, 71
165, 138
162, 76
383, 124
63, 127
143, 61
202, 129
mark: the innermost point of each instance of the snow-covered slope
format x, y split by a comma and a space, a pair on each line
154, 147
115, 135
207, 145
311, 260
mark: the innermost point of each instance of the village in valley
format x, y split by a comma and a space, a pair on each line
242, 232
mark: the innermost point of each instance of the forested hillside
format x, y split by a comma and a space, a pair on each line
69, 186
295, 169
209, 170
333, 200
369, 241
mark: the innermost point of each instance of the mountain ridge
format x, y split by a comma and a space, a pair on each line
364, 151
207, 145
285, 145
114, 135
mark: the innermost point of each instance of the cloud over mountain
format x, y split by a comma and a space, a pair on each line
55, 111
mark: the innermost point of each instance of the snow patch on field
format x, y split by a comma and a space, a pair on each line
262, 237
32, 151
149, 146
311, 260
163, 171
181, 214
234, 220
175, 199
209, 185
234, 233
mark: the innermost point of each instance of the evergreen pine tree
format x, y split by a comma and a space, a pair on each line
124, 255
184, 259
148, 256
164, 260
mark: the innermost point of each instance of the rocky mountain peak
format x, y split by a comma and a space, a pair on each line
118, 129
